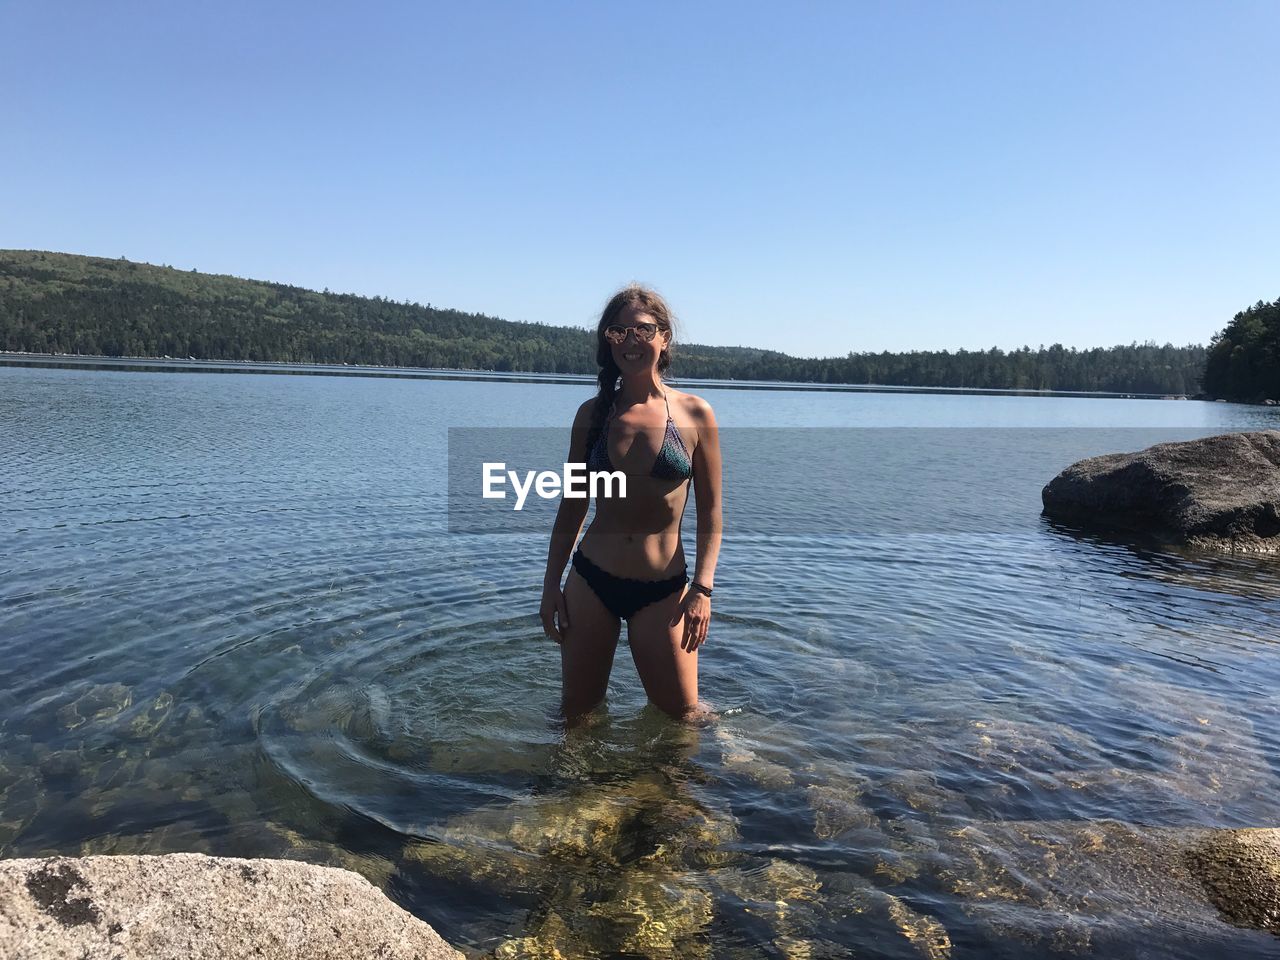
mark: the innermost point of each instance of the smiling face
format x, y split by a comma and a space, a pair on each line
634, 354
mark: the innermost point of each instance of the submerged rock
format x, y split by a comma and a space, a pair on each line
190, 906
20, 801
656, 913
926, 934
785, 894
101, 702
1086, 886
738, 757
1219, 493
880, 909
615, 868
774, 885
837, 811
1240, 870
637, 822
146, 724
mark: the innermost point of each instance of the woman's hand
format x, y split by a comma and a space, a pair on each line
554, 613
695, 608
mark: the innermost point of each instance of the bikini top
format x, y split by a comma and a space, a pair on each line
673, 461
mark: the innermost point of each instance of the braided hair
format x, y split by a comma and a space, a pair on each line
642, 299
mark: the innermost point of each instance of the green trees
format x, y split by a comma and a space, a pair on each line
61, 303
1244, 359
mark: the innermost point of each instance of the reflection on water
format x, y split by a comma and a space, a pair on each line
236, 625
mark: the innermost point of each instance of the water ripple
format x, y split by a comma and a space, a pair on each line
233, 620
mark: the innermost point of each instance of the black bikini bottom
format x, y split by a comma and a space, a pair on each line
623, 596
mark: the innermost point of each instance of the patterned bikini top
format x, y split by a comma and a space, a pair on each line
673, 461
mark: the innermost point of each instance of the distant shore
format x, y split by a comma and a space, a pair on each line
194, 365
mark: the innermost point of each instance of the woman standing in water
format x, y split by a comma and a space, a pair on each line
630, 564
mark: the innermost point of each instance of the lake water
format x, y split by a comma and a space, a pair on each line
235, 618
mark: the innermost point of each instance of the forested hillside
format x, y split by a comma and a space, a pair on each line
1244, 359
63, 303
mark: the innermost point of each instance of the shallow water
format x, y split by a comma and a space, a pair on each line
233, 619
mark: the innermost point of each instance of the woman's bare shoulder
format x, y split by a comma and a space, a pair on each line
694, 407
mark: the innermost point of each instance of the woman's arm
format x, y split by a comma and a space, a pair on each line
706, 488
564, 534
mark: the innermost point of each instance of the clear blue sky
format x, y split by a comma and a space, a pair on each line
812, 177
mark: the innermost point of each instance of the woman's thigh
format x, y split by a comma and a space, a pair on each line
586, 652
669, 673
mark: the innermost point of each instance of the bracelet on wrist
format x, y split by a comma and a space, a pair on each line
695, 585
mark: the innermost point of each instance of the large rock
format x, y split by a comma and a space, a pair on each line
1218, 492
189, 906
1240, 870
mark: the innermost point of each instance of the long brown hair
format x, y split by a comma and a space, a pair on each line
647, 301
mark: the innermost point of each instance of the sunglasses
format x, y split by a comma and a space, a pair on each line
616, 333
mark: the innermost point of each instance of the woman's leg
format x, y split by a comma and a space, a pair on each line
669, 674
586, 653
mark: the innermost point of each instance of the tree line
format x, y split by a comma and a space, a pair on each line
1244, 359
63, 303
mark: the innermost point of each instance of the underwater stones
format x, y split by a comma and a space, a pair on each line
1240, 871
475, 863
792, 948
101, 702
577, 827
837, 811
169, 838
638, 821
193, 719
376, 869
1200, 750
1219, 493
651, 912
60, 766
895, 866
1014, 745
111, 773
737, 757
343, 706
194, 907
776, 881
835, 797
995, 862
463, 754
654, 914
926, 934
615, 868
527, 948
20, 801
920, 790
626, 841
236, 805
145, 724
773, 888
8, 777
546, 937
1075, 885
783, 893
694, 840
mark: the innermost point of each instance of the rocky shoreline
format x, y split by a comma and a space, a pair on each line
187, 905
192, 906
